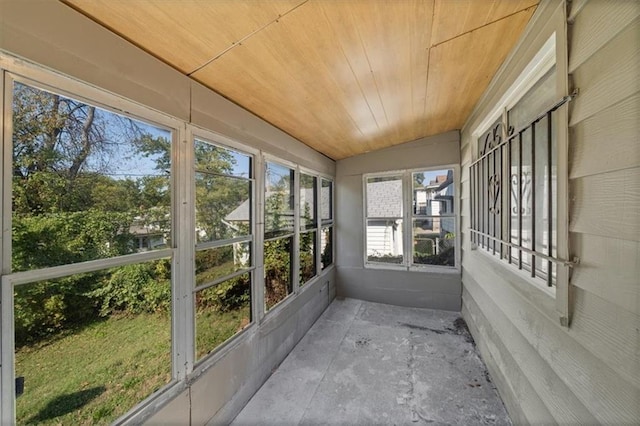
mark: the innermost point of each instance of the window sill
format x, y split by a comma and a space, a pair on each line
426, 268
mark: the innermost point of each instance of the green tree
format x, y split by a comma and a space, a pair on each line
70, 205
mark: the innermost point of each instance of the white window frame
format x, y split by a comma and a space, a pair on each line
326, 223
221, 141
407, 220
13, 70
552, 52
317, 211
182, 252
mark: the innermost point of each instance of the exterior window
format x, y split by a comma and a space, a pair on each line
434, 218
278, 233
308, 226
514, 183
223, 234
385, 243
416, 235
326, 216
91, 195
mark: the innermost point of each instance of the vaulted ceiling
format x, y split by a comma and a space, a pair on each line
342, 76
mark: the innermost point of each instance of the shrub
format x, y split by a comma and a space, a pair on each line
137, 288
226, 296
47, 307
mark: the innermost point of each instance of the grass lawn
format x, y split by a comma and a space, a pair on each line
96, 374
214, 328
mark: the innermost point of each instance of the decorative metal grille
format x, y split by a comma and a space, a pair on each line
504, 216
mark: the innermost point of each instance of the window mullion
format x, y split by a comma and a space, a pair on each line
258, 288
407, 218
295, 267
183, 317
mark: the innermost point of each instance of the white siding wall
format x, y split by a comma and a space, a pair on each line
590, 372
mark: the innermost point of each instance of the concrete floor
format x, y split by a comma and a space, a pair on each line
366, 363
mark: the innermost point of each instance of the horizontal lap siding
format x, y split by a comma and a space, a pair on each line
589, 372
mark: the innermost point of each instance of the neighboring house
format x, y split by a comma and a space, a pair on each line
384, 213
241, 214
147, 237
384, 228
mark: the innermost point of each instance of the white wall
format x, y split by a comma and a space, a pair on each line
54, 36
437, 290
590, 372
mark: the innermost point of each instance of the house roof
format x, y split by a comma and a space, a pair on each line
241, 213
384, 199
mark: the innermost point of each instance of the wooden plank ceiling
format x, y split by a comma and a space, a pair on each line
344, 77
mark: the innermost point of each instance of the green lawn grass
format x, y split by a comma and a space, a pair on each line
94, 375
214, 328
98, 373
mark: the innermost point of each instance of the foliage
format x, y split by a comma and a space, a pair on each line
326, 257
137, 288
307, 256
277, 265
226, 296
45, 308
68, 237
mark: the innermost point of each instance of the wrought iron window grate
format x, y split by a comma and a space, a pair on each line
513, 195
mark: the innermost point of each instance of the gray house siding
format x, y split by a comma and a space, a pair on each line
590, 372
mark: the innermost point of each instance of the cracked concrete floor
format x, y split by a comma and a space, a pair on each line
366, 363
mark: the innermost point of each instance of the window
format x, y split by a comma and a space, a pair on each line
224, 237
416, 235
326, 219
89, 261
433, 221
514, 189
279, 233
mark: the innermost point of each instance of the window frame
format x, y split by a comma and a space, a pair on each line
34, 76
218, 140
293, 234
184, 369
552, 52
303, 228
407, 221
326, 223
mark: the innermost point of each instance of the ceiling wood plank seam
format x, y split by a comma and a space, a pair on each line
526, 9
245, 38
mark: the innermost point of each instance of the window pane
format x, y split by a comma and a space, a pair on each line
223, 207
384, 196
215, 263
307, 256
384, 241
308, 195
277, 268
326, 200
222, 311
278, 200
326, 247
433, 193
214, 159
540, 97
87, 183
434, 241
65, 332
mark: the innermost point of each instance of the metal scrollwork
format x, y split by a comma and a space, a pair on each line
526, 193
492, 139
494, 194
